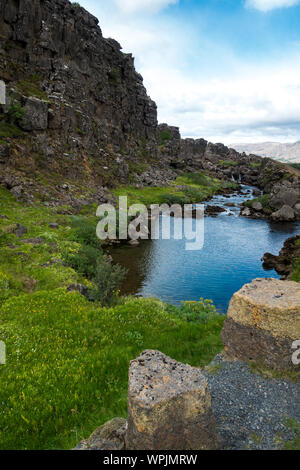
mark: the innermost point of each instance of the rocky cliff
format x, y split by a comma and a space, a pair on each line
87, 113
78, 117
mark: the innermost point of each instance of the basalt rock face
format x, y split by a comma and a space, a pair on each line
87, 111
263, 321
169, 406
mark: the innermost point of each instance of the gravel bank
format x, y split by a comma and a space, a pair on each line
252, 412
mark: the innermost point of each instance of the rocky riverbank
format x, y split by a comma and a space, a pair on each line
286, 263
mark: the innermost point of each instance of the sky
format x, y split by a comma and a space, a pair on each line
224, 70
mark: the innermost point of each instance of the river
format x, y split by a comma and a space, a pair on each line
231, 257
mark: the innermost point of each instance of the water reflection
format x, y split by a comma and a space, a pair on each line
231, 256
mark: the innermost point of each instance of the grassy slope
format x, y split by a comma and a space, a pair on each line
67, 358
188, 188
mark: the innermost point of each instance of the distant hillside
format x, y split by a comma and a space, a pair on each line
282, 152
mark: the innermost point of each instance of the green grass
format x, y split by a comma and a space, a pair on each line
188, 188
228, 163
165, 136
260, 368
32, 87
295, 275
255, 165
264, 200
68, 358
9, 130
294, 426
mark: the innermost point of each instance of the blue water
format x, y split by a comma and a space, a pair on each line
231, 256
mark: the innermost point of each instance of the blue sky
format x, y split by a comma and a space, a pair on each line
225, 70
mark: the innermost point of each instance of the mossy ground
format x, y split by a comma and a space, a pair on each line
67, 358
264, 200
187, 188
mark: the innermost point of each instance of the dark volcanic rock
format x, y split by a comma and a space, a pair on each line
214, 210
283, 263
20, 230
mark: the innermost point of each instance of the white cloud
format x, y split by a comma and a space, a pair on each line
267, 5
133, 6
251, 106
208, 91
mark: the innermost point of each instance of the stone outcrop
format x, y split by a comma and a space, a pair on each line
283, 263
110, 436
285, 214
169, 406
263, 321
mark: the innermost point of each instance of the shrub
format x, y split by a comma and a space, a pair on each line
85, 261
15, 112
193, 194
85, 232
200, 312
107, 281
174, 199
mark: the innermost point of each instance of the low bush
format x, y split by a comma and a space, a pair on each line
107, 280
200, 312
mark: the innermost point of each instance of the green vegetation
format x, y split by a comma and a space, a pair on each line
137, 168
294, 426
264, 200
261, 369
255, 165
113, 77
32, 87
295, 165
165, 136
228, 163
15, 112
68, 357
188, 188
8, 130
9, 122
295, 275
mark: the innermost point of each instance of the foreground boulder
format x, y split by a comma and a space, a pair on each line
263, 321
169, 406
